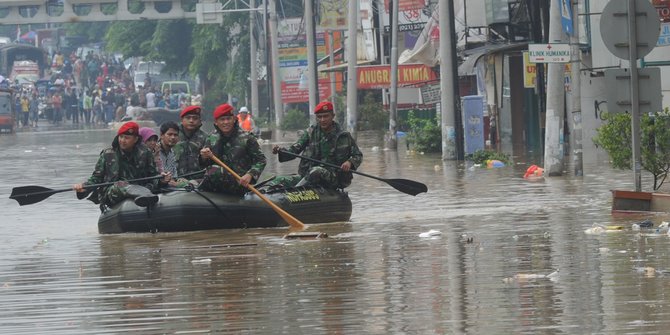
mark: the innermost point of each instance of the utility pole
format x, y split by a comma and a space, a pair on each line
333, 78
635, 96
274, 56
268, 75
382, 57
447, 100
553, 145
352, 76
576, 104
391, 138
310, 31
254, 59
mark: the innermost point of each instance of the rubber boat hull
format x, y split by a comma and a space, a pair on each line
188, 211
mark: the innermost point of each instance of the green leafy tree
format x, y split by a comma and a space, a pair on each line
94, 31
217, 54
615, 137
213, 59
131, 38
167, 44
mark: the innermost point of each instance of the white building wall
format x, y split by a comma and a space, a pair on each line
662, 54
603, 58
593, 83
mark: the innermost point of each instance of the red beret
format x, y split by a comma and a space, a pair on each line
223, 110
324, 107
190, 110
130, 128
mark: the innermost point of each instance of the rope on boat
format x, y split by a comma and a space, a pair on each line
198, 192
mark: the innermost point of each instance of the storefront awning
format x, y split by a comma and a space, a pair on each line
467, 68
343, 67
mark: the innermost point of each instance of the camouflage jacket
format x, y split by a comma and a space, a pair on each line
334, 147
240, 151
187, 150
116, 165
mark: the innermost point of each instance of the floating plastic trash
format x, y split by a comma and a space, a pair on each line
645, 224
598, 229
431, 233
534, 171
494, 163
532, 276
202, 261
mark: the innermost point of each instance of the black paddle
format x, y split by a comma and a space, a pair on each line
28, 195
410, 187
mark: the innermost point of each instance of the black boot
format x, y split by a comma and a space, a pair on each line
142, 196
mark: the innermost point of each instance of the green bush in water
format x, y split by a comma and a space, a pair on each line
615, 137
424, 134
481, 156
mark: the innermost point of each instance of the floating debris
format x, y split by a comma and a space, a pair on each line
202, 261
305, 235
531, 276
598, 229
431, 233
647, 271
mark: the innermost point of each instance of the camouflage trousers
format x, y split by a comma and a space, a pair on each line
282, 182
317, 176
120, 191
218, 180
320, 176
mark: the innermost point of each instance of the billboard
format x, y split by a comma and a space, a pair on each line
293, 61
333, 14
413, 15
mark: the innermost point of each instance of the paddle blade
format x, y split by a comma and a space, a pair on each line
410, 187
26, 195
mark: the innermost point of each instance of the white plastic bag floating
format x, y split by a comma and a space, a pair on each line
431, 233
599, 229
202, 261
521, 277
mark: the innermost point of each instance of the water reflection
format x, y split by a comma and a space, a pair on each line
484, 274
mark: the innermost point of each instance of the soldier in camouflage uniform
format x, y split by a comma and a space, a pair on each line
236, 148
191, 140
326, 142
126, 159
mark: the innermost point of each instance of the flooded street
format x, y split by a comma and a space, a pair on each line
485, 274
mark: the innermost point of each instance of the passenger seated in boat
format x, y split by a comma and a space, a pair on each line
168, 139
191, 140
126, 159
236, 148
328, 142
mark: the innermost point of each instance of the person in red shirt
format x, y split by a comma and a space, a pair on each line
57, 101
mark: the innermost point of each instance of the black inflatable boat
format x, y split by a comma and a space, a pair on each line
196, 210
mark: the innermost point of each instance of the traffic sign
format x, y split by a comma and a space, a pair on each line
549, 53
614, 27
618, 90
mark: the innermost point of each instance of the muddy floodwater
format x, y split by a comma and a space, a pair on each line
483, 252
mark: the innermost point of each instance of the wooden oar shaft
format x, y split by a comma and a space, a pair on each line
290, 219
